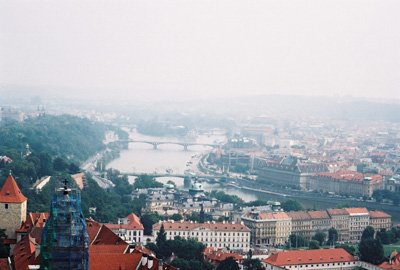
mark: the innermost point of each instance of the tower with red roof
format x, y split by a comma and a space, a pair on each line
12, 207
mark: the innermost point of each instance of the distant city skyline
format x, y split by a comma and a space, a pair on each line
182, 49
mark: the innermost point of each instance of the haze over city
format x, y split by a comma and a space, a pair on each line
188, 50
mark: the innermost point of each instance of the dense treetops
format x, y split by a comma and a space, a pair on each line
65, 135
58, 144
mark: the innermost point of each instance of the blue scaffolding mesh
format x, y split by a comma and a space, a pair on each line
65, 240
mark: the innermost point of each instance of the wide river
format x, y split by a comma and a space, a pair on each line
142, 158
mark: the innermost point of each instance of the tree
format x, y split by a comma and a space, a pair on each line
73, 168
350, 249
59, 164
332, 236
228, 264
320, 237
4, 250
145, 181
296, 241
253, 264
387, 237
161, 239
314, 244
368, 233
291, 205
148, 220
371, 250
46, 167
163, 246
177, 217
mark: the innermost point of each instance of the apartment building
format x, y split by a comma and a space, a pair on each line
358, 221
380, 220
235, 236
321, 221
268, 228
289, 171
347, 182
340, 221
301, 224
275, 228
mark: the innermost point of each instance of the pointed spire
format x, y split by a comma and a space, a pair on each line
10, 192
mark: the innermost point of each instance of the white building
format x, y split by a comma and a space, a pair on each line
333, 259
130, 229
234, 236
358, 221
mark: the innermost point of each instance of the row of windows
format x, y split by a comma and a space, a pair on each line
317, 265
219, 239
229, 245
206, 233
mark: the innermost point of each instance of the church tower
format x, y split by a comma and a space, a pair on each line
12, 207
65, 240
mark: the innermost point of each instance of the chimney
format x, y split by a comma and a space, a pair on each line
144, 259
150, 263
160, 264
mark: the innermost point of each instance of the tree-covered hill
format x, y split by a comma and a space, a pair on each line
58, 144
68, 136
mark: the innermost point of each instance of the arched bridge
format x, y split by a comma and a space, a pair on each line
184, 144
174, 175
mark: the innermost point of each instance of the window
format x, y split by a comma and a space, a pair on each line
6, 206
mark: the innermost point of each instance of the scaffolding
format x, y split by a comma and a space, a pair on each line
65, 240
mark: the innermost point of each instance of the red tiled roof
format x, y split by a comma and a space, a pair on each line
32, 220
386, 173
112, 261
394, 265
134, 222
378, 214
186, 225
24, 253
266, 216
4, 263
10, 192
337, 212
219, 255
299, 215
360, 210
318, 214
108, 249
93, 228
309, 257
348, 175
107, 237
144, 250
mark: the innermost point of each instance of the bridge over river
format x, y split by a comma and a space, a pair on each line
175, 175
184, 144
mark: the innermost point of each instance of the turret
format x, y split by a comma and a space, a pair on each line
12, 207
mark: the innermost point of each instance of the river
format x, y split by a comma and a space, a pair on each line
142, 158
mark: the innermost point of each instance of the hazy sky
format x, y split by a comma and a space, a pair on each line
200, 48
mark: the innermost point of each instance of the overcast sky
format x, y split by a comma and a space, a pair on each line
203, 48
